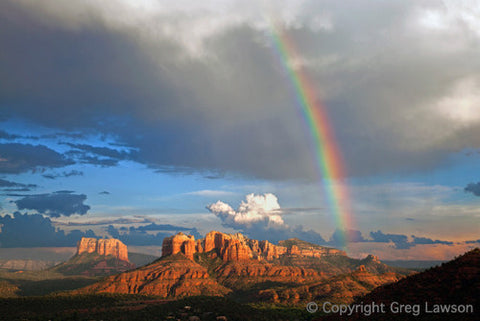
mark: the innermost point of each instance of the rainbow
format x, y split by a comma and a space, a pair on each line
330, 165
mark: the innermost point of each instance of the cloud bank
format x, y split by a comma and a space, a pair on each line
35, 230
24, 230
387, 73
18, 158
54, 204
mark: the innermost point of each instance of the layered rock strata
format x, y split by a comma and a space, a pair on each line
236, 247
103, 247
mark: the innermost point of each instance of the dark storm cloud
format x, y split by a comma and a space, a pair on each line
86, 66
101, 151
5, 183
19, 158
100, 156
102, 162
473, 188
473, 242
54, 204
64, 134
5, 135
63, 174
426, 240
339, 237
400, 241
139, 236
162, 227
23, 230
70, 80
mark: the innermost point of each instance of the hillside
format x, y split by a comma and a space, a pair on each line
341, 288
452, 285
168, 277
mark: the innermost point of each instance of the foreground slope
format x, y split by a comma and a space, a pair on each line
450, 291
457, 281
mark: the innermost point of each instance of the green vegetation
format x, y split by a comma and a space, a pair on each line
209, 260
7, 289
140, 259
84, 262
300, 244
135, 307
30, 283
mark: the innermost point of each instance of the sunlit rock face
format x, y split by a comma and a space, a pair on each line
236, 247
103, 247
223, 263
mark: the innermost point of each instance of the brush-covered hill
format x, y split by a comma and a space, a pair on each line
456, 282
453, 287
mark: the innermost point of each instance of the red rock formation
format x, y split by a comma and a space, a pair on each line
103, 247
361, 268
236, 247
179, 243
271, 251
235, 250
243, 273
168, 278
298, 247
293, 250
342, 288
229, 262
199, 246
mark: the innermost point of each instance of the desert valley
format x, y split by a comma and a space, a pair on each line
234, 273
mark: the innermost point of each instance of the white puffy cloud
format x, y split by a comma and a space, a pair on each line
256, 208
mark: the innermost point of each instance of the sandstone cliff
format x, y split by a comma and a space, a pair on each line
236, 247
103, 247
97, 257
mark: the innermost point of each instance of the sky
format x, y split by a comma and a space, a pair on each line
138, 119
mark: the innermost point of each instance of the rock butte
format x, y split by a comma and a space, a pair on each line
236, 247
104, 247
223, 263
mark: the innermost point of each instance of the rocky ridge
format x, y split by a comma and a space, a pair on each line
236, 247
231, 264
340, 288
175, 276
